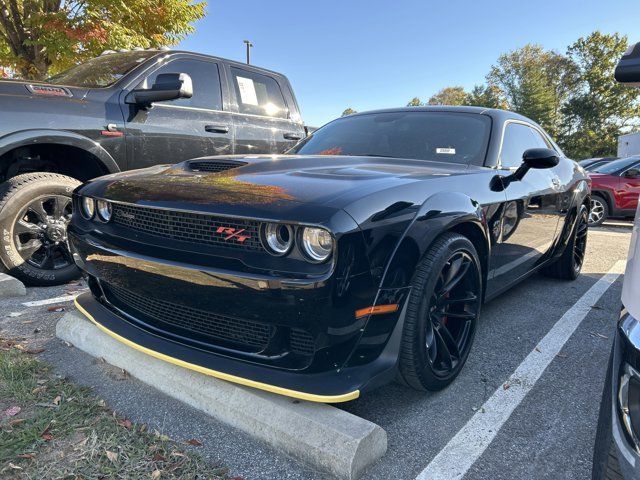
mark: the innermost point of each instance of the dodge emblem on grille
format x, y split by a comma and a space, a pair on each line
233, 233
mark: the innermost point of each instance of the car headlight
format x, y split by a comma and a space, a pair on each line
278, 238
104, 210
87, 207
317, 243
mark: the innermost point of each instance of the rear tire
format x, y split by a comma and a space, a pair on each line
599, 210
442, 314
569, 265
35, 209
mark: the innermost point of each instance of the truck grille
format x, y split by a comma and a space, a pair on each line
190, 227
253, 336
211, 166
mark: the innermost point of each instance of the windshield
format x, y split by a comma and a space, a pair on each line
614, 167
439, 136
101, 71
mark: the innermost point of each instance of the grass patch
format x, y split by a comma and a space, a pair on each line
64, 431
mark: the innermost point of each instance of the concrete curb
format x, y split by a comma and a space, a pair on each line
325, 437
11, 287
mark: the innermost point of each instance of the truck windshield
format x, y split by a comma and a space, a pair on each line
101, 71
450, 137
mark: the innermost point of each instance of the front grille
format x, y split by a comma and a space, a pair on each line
211, 166
301, 341
190, 227
253, 336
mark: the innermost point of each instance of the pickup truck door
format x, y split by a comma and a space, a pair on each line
530, 214
264, 122
177, 130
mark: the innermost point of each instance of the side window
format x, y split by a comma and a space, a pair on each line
206, 83
517, 139
258, 94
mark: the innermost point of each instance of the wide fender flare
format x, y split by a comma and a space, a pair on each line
59, 137
441, 212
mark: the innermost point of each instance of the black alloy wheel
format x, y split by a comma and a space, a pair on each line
570, 263
40, 232
580, 243
442, 314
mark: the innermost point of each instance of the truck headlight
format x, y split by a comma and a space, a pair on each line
87, 208
317, 243
104, 210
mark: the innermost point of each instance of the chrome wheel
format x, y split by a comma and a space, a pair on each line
453, 308
40, 232
598, 211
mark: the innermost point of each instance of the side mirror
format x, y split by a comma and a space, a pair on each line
628, 68
540, 158
167, 86
632, 173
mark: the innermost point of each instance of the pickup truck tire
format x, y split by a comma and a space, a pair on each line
35, 209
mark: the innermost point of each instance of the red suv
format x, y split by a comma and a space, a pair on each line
615, 190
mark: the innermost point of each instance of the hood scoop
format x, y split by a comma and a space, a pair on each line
213, 166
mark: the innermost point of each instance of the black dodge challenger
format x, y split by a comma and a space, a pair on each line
362, 256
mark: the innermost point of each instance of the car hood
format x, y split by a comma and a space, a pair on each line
265, 186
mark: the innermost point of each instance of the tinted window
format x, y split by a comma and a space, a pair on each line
517, 139
258, 94
612, 168
205, 78
101, 71
440, 136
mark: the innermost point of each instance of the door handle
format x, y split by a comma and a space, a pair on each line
292, 136
216, 128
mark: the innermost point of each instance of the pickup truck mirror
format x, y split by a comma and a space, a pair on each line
167, 86
628, 68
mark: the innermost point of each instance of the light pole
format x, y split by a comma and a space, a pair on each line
249, 45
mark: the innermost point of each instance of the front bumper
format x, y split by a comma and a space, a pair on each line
351, 355
626, 351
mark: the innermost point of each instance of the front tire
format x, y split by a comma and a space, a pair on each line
35, 209
599, 211
442, 314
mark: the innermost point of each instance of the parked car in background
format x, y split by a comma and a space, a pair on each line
590, 164
363, 256
615, 189
617, 447
122, 111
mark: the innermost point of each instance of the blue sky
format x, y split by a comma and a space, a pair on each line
377, 54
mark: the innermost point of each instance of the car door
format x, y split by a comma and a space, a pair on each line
265, 121
177, 130
530, 214
629, 188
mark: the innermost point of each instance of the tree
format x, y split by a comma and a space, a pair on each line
415, 102
349, 111
449, 96
38, 37
535, 82
489, 96
600, 109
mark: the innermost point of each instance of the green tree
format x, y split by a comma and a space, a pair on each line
39, 37
449, 96
348, 111
415, 102
599, 109
489, 96
535, 83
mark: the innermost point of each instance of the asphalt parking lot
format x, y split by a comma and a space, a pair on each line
546, 429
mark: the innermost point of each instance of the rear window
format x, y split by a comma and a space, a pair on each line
101, 71
439, 136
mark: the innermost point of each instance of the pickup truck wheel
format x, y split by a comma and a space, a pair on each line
442, 313
35, 209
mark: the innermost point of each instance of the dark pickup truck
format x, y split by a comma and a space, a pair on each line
122, 111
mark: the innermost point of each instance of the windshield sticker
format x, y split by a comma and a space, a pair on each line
446, 151
247, 91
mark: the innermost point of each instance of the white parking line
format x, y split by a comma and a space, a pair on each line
49, 301
462, 451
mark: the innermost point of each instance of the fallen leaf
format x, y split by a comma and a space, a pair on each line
126, 423
55, 308
194, 442
16, 421
506, 385
15, 467
12, 411
113, 456
27, 455
47, 437
39, 389
57, 400
158, 458
156, 474
34, 351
